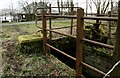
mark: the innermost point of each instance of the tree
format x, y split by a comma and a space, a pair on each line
25, 7
68, 3
29, 8
116, 53
102, 7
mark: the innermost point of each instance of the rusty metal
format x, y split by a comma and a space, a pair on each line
39, 15
61, 33
101, 14
79, 37
94, 69
79, 44
101, 18
98, 43
62, 16
63, 27
61, 52
84, 17
36, 23
44, 32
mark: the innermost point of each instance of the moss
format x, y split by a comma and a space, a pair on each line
30, 43
29, 38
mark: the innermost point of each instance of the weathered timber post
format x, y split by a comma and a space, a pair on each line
116, 54
45, 49
79, 43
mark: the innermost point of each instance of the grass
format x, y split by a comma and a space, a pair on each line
16, 63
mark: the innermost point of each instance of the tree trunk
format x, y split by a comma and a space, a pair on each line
58, 6
116, 54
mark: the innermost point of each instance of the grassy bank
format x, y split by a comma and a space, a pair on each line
23, 64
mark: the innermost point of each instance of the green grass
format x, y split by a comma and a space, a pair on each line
23, 64
14, 31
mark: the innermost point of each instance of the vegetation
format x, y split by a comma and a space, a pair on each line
116, 54
16, 63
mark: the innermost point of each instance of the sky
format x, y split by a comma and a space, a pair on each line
8, 3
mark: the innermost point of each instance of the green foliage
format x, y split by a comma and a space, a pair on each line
98, 51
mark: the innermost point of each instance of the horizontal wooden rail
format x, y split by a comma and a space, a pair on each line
98, 43
101, 18
63, 27
61, 52
61, 16
61, 33
93, 68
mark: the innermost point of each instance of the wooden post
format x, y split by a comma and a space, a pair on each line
116, 52
79, 44
45, 49
50, 22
